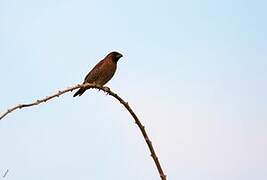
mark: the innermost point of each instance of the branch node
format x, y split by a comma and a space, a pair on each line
163, 176
154, 156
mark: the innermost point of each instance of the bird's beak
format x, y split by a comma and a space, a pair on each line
119, 56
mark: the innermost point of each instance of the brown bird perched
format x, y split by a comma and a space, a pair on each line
102, 72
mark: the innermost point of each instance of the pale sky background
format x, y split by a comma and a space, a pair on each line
195, 72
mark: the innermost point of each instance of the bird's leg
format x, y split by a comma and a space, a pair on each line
95, 84
100, 86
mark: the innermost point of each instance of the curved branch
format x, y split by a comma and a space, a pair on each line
47, 98
108, 91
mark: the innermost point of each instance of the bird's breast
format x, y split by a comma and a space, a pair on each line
108, 69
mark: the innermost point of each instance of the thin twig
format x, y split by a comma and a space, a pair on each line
5, 173
116, 96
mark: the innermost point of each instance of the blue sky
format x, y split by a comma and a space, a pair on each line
195, 72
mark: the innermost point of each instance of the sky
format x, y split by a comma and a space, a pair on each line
195, 73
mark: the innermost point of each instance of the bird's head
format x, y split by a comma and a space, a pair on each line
115, 56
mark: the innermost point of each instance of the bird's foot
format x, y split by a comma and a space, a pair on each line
106, 89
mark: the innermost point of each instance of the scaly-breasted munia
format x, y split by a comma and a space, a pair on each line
102, 72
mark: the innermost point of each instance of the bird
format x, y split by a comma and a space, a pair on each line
102, 72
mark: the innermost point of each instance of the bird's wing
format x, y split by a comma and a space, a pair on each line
94, 73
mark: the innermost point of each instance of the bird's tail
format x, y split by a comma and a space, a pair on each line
79, 92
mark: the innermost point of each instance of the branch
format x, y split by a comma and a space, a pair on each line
108, 91
47, 98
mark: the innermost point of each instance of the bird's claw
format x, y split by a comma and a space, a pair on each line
106, 89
